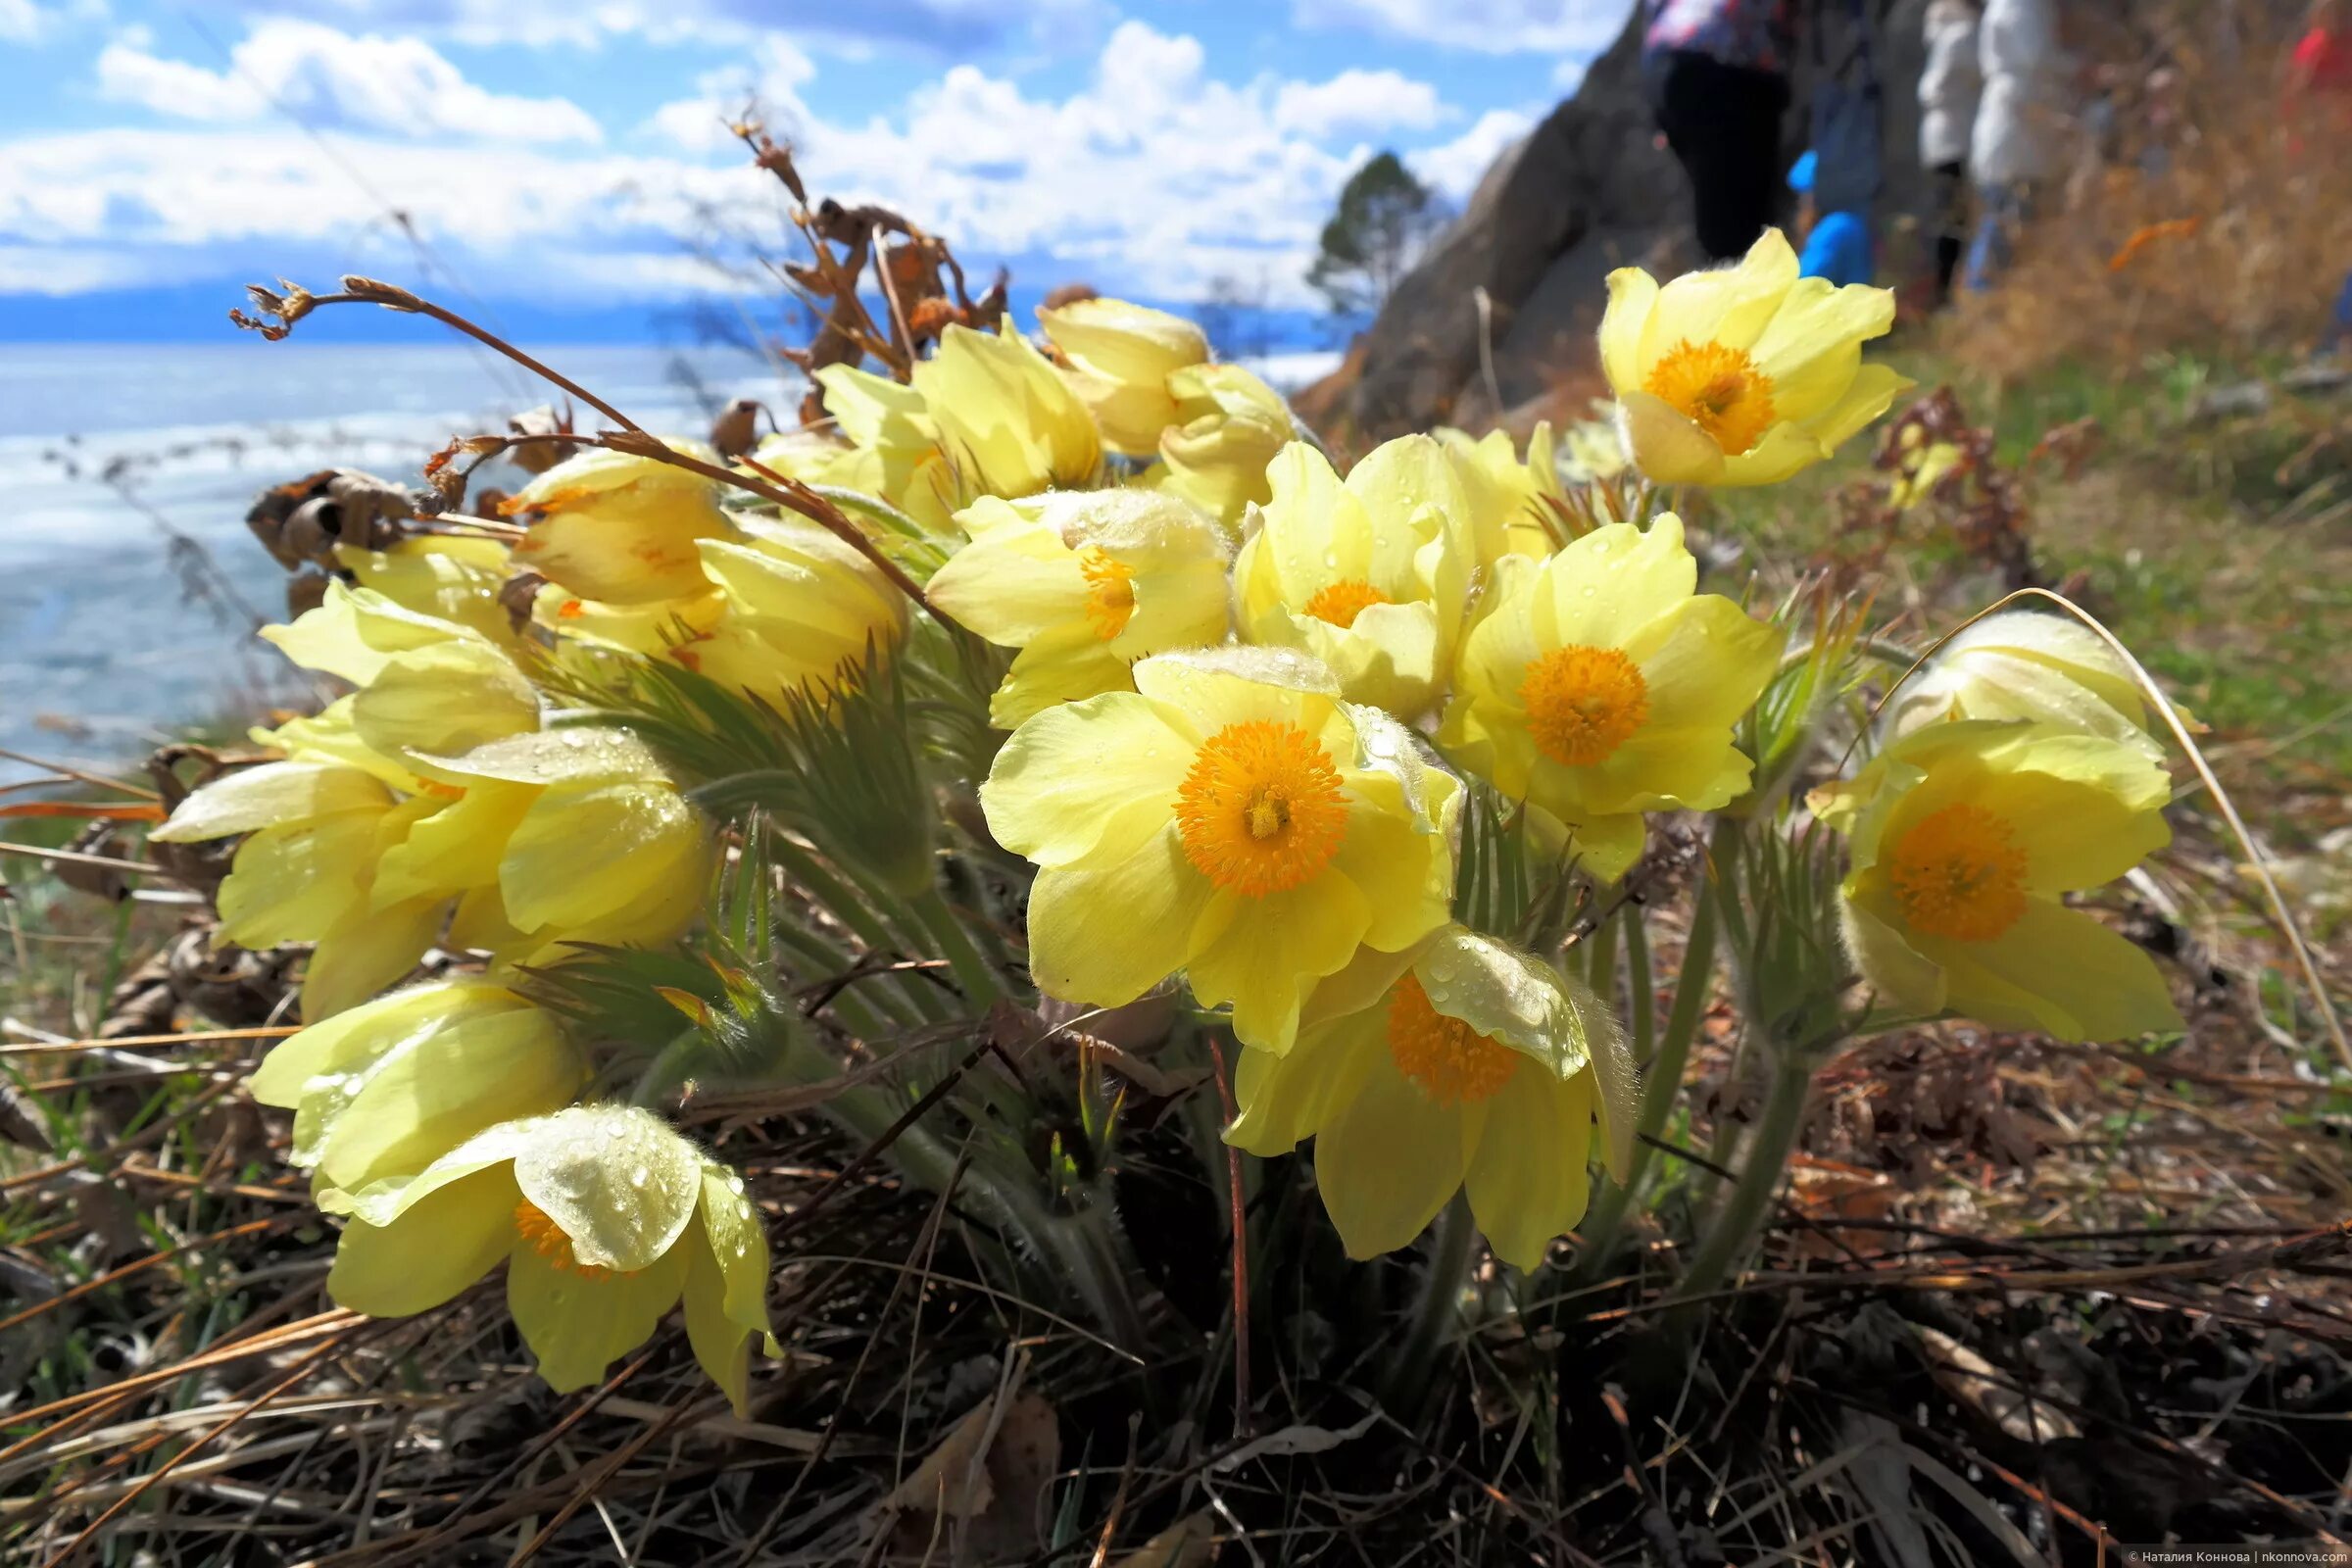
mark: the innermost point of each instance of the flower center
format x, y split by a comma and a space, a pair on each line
1261, 810
1584, 702
1109, 591
1958, 873
1443, 1057
1340, 603
546, 1238
1719, 389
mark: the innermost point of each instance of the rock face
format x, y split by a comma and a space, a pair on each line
1589, 190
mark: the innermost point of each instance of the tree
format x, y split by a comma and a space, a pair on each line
1385, 220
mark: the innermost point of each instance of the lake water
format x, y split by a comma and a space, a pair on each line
112, 636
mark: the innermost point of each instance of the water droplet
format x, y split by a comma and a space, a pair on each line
638, 1175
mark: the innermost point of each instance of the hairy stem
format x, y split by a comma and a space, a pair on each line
1732, 1234
1435, 1309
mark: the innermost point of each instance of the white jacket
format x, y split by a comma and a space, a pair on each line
1950, 83
2023, 120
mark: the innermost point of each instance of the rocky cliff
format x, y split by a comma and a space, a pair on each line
1590, 189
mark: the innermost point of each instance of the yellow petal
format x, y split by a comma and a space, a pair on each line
1812, 346
436, 1247
2059, 971
1012, 583
1667, 445
354, 631
623, 861
1286, 1099
1872, 393
1389, 1161
436, 1087
368, 948
1787, 448
580, 1324
1607, 586
1632, 293
443, 700
1729, 305
1264, 954
1067, 667
1528, 1183
274, 795
1088, 780
1901, 979
1705, 660
292, 884
456, 847
618, 1182
1108, 931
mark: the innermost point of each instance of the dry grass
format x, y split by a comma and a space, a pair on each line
2220, 221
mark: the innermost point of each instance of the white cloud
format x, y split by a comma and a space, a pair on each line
769, 82
1149, 175
1356, 102
327, 79
23, 22
1569, 73
1455, 168
939, 28
1583, 27
62, 270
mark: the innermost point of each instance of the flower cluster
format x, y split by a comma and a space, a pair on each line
1261, 726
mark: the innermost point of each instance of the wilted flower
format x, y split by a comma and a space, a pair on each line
1477, 1066
1229, 818
1747, 374
621, 528
385, 1089
1601, 685
1369, 576
1122, 356
604, 1218
2019, 664
1009, 424
1963, 838
1084, 584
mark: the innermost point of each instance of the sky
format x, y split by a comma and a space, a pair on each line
578, 158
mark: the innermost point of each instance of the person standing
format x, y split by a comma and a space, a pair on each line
2018, 143
1949, 87
1719, 74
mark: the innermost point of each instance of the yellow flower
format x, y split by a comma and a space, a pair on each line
449, 578
1512, 503
1598, 686
2024, 665
1120, 358
1084, 584
1009, 423
1477, 1066
1230, 424
314, 832
795, 605
893, 444
621, 528
388, 1087
1370, 576
579, 831
1229, 818
1962, 837
1743, 375
603, 1217
653, 629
